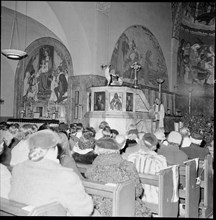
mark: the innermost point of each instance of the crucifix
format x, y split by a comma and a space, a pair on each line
136, 67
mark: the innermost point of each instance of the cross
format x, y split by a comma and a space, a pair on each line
136, 67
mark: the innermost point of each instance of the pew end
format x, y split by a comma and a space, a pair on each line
122, 195
164, 180
206, 204
190, 195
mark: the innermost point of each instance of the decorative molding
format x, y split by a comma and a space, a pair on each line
104, 7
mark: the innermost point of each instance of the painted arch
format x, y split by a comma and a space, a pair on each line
138, 44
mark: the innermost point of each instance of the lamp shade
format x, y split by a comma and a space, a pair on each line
14, 54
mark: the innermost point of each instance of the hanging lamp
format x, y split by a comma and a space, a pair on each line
11, 53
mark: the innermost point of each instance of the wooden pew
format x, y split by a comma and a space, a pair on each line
12, 208
122, 195
190, 195
206, 204
164, 180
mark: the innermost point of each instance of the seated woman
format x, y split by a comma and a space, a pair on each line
110, 167
41, 179
83, 151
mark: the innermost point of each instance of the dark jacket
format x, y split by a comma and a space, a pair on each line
173, 154
194, 151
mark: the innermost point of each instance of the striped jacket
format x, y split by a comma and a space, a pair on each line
150, 163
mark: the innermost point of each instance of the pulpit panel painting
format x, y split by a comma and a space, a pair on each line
129, 102
115, 101
99, 101
45, 77
138, 44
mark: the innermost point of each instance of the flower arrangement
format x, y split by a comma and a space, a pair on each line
199, 123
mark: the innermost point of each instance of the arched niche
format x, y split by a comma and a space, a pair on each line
39, 94
138, 44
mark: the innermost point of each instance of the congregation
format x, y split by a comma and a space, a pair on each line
39, 164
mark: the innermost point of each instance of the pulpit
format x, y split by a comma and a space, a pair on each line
120, 106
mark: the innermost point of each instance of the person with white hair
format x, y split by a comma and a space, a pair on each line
42, 179
186, 141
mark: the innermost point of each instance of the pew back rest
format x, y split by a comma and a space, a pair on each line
122, 195
191, 191
165, 182
13, 208
207, 182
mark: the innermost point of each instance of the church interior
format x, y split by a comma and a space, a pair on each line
87, 62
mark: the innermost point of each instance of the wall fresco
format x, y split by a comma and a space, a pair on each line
138, 44
45, 77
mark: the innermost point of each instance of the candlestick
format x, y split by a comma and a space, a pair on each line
160, 81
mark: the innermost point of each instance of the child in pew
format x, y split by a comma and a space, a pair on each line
147, 161
41, 179
110, 167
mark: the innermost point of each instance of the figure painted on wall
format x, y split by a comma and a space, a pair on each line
61, 89
147, 66
131, 57
116, 103
45, 71
30, 83
198, 66
199, 12
54, 84
210, 64
180, 59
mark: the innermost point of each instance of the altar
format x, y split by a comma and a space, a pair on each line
120, 106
